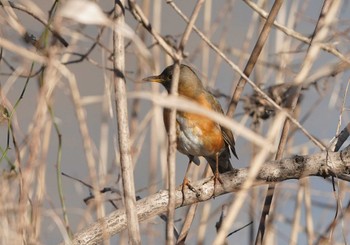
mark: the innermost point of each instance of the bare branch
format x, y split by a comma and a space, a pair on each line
323, 164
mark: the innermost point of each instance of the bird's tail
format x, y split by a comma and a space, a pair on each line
224, 162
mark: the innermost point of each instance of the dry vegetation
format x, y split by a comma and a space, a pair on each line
82, 138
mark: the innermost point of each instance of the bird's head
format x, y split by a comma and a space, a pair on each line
188, 80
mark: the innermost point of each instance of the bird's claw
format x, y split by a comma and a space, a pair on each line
185, 183
215, 178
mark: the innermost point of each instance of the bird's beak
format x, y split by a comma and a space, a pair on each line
153, 79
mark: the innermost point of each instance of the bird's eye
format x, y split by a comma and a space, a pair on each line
170, 77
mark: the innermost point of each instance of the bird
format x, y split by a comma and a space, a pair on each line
198, 135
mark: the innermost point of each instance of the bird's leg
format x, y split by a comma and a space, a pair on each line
216, 173
186, 182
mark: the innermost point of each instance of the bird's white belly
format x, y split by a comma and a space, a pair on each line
190, 139
189, 144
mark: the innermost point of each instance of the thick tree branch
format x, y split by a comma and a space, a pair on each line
323, 164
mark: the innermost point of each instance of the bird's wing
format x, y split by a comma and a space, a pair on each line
226, 133
229, 139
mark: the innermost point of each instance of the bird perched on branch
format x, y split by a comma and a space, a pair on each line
197, 135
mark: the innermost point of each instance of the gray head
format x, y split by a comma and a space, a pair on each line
188, 79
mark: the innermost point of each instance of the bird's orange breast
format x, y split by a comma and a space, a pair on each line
197, 135
205, 134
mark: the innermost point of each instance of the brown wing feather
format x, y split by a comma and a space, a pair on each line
226, 133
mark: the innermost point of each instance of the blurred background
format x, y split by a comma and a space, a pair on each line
41, 135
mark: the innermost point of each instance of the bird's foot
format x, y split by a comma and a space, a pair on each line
185, 183
216, 178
